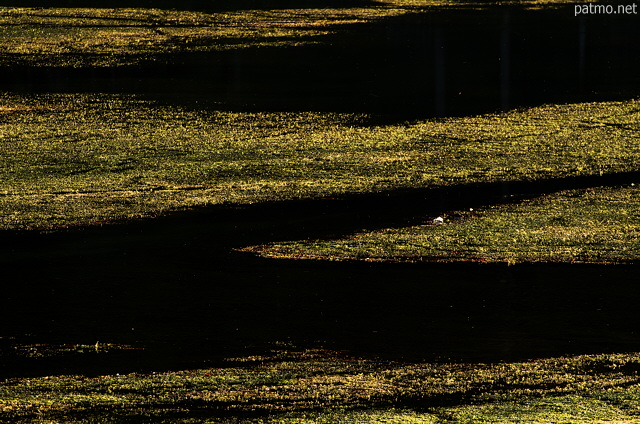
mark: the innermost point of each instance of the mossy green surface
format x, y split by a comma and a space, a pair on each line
81, 159
600, 225
89, 37
87, 159
324, 387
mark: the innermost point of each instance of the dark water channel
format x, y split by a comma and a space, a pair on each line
175, 287
445, 62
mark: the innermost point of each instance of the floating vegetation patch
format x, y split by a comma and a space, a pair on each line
93, 37
69, 159
75, 37
316, 387
600, 225
39, 351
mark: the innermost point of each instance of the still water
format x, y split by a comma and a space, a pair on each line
175, 287
444, 62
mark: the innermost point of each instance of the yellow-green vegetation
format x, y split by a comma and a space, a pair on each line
90, 37
324, 387
47, 350
600, 225
76, 37
79, 158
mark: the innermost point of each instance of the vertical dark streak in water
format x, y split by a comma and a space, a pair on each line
439, 71
504, 61
582, 48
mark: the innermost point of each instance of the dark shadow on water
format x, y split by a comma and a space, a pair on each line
190, 315
449, 62
174, 286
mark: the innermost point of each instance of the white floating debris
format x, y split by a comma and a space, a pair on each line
438, 220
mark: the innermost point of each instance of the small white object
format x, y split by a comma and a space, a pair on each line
438, 220
470, 209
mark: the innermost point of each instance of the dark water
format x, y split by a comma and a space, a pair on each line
175, 287
441, 63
